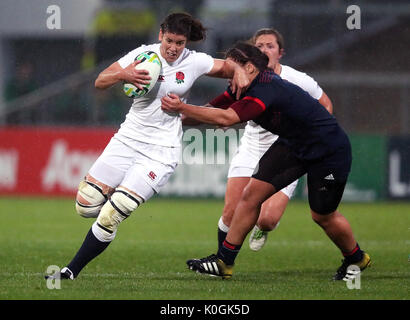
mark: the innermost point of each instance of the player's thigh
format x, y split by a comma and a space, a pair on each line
146, 178
103, 177
273, 208
256, 192
326, 182
279, 166
324, 195
112, 165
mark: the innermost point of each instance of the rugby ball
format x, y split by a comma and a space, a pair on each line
150, 62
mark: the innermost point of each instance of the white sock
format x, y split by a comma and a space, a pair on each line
222, 226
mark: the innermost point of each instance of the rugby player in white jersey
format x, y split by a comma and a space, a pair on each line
254, 143
143, 154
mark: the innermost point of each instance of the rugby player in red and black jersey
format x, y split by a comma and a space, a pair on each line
311, 142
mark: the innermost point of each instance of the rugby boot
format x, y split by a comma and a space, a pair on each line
343, 272
212, 266
64, 273
257, 239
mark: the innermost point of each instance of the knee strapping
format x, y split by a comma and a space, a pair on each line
93, 194
116, 209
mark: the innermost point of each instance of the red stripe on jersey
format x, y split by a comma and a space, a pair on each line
226, 94
223, 101
247, 109
258, 101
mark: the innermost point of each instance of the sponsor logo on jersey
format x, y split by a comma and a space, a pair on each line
180, 76
329, 177
152, 175
161, 78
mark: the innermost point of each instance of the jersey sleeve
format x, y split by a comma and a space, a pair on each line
203, 63
262, 94
248, 108
256, 100
310, 85
223, 101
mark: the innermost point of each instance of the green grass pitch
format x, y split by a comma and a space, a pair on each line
147, 259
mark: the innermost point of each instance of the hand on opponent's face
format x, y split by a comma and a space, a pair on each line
240, 81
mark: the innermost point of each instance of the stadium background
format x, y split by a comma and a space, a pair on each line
48, 95
54, 123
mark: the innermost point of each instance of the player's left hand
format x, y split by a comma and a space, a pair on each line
239, 82
171, 103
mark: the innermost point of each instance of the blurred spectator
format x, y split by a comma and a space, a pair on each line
113, 106
22, 83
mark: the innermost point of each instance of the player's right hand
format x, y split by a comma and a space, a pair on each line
137, 77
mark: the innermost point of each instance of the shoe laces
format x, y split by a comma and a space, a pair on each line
209, 258
259, 234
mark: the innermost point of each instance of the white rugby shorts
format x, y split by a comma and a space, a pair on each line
137, 168
246, 159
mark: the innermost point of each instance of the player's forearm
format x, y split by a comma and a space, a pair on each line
208, 115
189, 121
225, 69
107, 79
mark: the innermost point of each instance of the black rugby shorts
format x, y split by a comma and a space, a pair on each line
326, 177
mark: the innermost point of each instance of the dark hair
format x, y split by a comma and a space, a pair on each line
184, 24
244, 52
276, 33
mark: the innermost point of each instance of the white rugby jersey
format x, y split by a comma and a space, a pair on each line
258, 139
146, 121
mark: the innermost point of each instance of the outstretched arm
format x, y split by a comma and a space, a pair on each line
223, 101
189, 121
228, 69
205, 114
239, 111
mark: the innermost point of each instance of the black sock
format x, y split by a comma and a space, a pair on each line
354, 256
90, 248
228, 252
221, 237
